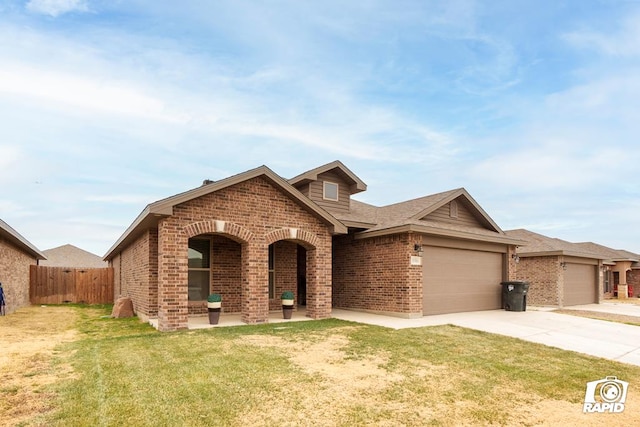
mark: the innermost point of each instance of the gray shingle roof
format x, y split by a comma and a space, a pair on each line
73, 257
539, 244
410, 214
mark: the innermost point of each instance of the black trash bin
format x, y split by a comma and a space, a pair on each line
514, 295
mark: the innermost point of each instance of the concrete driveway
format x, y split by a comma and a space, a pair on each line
610, 340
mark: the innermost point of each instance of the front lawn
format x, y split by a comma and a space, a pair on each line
113, 372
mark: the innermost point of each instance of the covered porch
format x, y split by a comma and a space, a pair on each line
249, 272
201, 321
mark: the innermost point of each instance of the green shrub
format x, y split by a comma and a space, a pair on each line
287, 295
214, 298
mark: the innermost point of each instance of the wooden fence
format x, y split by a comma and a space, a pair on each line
58, 285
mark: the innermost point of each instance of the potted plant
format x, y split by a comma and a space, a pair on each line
287, 304
214, 304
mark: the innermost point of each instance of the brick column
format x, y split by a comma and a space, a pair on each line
411, 293
255, 282
173, 276
319, 280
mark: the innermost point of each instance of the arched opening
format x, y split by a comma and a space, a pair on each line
287, 272
289, 250
215, 266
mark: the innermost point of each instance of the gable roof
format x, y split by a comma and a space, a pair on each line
356, 185
541, 245
72, 256
152, 214
20, 242
410, 216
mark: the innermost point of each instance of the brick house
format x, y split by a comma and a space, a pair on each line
620, 269
253, 235
71, 256
17, 254
560, 273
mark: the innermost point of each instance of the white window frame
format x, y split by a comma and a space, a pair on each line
208, 270
271, 267
324, 191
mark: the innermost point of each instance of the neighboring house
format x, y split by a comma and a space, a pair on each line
253, 235
560, 273
72, 257
621, 268
17, 254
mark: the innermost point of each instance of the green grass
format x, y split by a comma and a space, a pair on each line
126, 373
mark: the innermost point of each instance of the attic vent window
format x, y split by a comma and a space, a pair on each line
330, 191
453, 209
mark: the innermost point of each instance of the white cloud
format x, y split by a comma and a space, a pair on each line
82, 92
8, 155
623, 42
612, 96
554, 165
56, 7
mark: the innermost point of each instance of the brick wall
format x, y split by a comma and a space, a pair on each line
116, 264
248, 213
375, 274
633, 279
226, 274
286, 268
135, 274
545, 279
14, 275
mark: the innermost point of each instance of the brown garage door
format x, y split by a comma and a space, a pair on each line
458, 280
579, 284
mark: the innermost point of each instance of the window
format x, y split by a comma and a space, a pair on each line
272, 272
199, 269
330, 191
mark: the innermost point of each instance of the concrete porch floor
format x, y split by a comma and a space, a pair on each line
234, 319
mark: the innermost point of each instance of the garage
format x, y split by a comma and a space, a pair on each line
457, 280
580, 284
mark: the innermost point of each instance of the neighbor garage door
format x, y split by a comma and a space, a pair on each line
579, 284
458, 280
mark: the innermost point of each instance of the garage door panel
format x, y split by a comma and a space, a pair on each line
579, 284
457, 280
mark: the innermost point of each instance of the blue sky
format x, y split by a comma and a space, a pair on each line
532, 106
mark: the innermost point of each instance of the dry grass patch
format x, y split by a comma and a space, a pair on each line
333, 384
316, 373
29, 338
